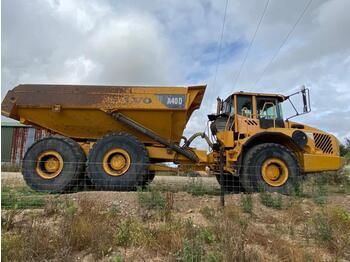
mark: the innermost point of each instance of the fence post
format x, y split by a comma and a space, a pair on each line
222, 188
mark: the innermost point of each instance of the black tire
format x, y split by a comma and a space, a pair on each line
133, 175
230, 183
74, 164
148, 178
252, 178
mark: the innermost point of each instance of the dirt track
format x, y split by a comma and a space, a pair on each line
16, 178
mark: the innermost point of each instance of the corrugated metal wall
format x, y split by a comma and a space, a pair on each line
16, 140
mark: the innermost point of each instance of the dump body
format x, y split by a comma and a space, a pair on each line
82, 112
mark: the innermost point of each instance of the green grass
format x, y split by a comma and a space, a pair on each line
247, 203
21, 198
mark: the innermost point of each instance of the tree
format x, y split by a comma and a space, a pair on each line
345, 148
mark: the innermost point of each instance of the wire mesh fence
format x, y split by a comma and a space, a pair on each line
75, 177
175, 216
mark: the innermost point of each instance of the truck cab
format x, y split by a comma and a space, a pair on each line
260, 143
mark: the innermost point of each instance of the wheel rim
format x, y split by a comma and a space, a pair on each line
49, 164
274, 172
116, 162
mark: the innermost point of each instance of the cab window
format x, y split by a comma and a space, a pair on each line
244, 105
268, 108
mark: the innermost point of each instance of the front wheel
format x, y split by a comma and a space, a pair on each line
270, 167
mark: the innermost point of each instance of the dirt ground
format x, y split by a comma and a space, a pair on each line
188, 206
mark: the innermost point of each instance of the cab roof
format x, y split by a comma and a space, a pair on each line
280, 98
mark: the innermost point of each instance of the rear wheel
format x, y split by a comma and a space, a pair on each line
230, 183
118, 161
53, 164
270, 167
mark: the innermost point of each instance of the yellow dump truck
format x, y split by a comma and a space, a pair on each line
118, 137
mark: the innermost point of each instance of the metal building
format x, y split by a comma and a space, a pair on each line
16, 139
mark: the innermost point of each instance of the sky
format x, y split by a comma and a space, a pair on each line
178, 43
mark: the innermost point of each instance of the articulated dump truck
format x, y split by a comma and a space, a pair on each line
117, 137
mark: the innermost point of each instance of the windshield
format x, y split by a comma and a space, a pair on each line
269, 108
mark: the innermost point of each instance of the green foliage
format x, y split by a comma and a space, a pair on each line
130, 232
345, 148
192, 251
118, 259
323, 229
12, 247
21, 198
207, 235
154, 199
271, 201
331, 228
196, 187
247, 203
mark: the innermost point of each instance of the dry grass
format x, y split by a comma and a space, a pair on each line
166, 226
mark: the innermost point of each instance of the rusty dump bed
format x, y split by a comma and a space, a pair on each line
81, 112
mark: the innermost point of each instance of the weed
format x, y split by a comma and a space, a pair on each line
192, 251
12, 247
323, 230
52, 206
118, 259
297, 191
269, 200
208, 212
247, 203
8, 218
331, 228
207, 235
153, 199
169, 205
196, 187
214, 256
130, 232
232, 245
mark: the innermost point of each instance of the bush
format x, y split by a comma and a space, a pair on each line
269, 200
331, 228
132, 233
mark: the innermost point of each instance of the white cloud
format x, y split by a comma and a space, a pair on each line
175, 42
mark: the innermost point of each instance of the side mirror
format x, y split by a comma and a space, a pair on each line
305, 93
306, 99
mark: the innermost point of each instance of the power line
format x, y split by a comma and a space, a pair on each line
284, 41
220, 44
251, 43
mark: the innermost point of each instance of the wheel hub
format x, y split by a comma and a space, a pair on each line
116, 162
52, 164
274, 172
49, 164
